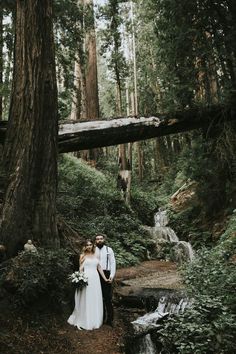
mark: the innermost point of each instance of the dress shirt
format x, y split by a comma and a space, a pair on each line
106, 259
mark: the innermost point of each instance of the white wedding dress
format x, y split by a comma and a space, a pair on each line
88, 311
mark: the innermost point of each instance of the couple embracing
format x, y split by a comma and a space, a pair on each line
93, 304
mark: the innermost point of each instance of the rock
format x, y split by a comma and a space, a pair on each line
29, 247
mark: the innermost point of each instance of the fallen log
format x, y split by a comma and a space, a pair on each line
76, 135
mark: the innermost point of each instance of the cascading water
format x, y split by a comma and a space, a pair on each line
165, 307
181, 251
145, 325
147, 346
162, 234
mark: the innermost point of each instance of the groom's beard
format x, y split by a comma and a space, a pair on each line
100, 245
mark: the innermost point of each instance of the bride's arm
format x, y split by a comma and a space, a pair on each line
101, 272
81, 261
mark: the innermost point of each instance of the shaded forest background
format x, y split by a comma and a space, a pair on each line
152, 58
141, 58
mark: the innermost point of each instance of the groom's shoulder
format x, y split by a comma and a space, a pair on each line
109, 248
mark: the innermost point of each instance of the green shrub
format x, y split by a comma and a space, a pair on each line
90, 202
230, 232
206, 327
83, 189
209, 325
186, 226
211, 273
37, 277
144, 203
124, 234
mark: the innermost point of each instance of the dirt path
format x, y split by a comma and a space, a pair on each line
104, 340
109, 340
50, 334
151, 274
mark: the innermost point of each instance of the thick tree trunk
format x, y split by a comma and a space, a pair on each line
79, 102
91, 79
1, 59
232, 11
30, 151
91, 64
86, 103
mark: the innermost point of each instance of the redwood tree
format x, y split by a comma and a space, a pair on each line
1, 59
30, 150
91, 67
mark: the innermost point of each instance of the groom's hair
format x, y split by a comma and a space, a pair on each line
103, 235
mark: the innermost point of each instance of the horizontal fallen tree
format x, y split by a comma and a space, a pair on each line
77, 135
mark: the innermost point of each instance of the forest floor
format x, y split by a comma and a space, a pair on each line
47, 334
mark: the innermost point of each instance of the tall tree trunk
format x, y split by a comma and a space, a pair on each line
129, 151
30, 151
140, 160
232, 11
1, 59
176, 145
91, 64
169, 151
135, 94
79, 102
91, 77
124, 175
86, 82
159, 156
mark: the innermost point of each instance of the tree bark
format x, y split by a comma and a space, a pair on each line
1, 59
79, 101
159, 156
30, 150
140, 160
91, 78
91, 64
85, 104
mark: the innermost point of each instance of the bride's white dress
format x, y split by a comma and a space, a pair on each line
88, 311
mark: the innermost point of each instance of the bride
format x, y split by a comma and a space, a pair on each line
88, 311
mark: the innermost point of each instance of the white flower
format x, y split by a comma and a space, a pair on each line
79, 279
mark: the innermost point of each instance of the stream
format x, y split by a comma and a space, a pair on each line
159, 302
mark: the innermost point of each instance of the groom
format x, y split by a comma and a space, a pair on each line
107, 260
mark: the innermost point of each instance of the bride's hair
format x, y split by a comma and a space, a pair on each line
85, 250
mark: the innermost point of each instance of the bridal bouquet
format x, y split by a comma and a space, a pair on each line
78, 279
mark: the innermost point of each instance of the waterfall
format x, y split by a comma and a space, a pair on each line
150, 322
160, 218
166, 306
147, 346
181, 251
